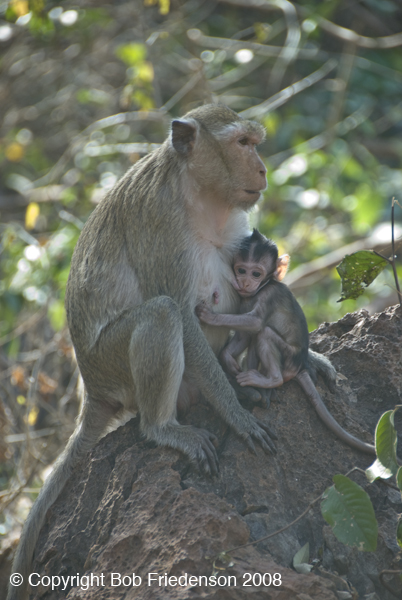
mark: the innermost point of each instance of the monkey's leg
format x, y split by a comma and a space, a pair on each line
269, 346
308, 386
189, 395
234, 348
157, 366
207, 373
253, 361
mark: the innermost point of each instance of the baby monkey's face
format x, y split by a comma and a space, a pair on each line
249, 276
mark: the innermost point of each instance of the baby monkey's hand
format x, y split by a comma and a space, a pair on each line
204, 314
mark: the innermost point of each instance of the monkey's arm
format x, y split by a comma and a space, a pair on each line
249, 322
207, 373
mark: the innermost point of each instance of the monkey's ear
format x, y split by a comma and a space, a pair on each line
281, 266
183, 136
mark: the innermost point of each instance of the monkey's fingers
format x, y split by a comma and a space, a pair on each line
266, 396
207, 457
250, 444
262, 435
267, 428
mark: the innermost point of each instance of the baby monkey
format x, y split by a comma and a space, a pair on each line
272, 325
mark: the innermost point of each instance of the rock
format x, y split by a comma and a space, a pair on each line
131, 508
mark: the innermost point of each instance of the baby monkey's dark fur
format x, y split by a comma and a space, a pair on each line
272, 325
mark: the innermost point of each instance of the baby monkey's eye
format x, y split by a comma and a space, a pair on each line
256, 274
241, 271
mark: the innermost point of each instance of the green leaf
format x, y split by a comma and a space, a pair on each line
399, 533
385, 437
399, 478
300, 560
357, 271
378, 471
348, 509
386, 441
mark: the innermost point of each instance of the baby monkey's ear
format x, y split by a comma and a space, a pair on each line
281, 266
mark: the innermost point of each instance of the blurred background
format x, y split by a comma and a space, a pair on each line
89, 87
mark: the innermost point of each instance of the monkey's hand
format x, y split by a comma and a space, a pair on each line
204, 314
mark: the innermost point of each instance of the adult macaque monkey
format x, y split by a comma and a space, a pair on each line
272, 325
158, 244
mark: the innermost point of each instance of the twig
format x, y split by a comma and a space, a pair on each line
72, 384
300, 276
381, 481
343, 77
322, 139
389, 41
291, 46
229, 45
278, 530
230, 77
287, 93
391, 260
33, 385
12, 495
79, 140
191, 83
15, 438
122, 148
393, 249
33, 319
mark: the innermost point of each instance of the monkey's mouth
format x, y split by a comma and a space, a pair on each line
252, 192
246, 294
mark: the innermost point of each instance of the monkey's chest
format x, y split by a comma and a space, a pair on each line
214, 287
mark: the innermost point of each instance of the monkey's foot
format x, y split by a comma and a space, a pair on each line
256, 379
261, 433
202, 452
266, 397
198, 444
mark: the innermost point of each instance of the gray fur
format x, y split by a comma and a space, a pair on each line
134, 282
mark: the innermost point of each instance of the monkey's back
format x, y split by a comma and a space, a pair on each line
117, 262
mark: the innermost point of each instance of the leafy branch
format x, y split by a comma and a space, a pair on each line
357, 271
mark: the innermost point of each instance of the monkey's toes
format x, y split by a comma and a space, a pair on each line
266, 397
263, 435
207, 458
267, 428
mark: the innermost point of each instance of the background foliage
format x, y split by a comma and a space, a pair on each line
87, 88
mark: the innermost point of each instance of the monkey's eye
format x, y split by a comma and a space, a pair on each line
243, 141
241, 271
256, 274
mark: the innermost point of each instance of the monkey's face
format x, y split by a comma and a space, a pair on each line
245, 173
249, 276
221, 155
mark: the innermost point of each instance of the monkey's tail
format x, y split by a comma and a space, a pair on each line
319, 362
93, 421
308, 386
